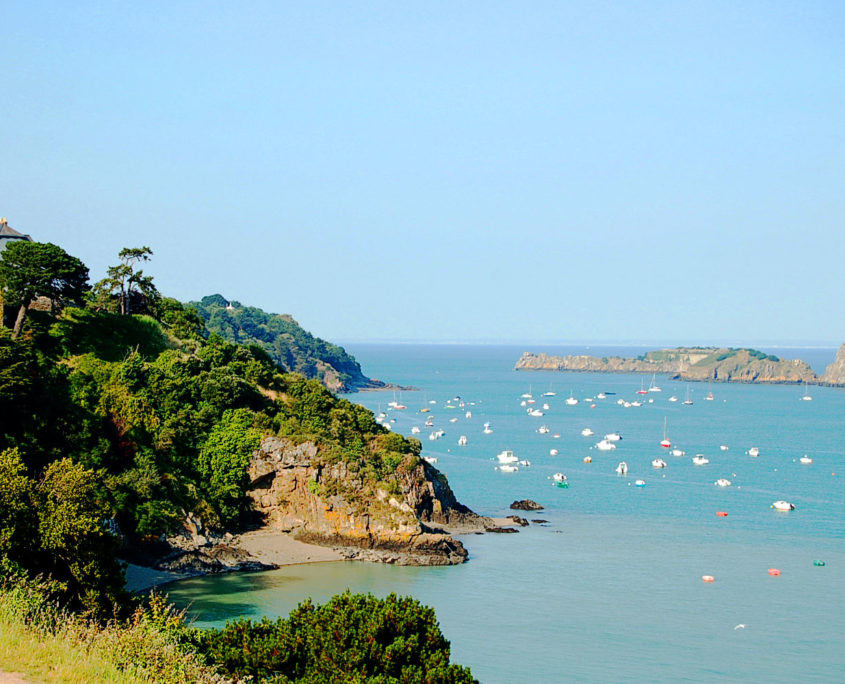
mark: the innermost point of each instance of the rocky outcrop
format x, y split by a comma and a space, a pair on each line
685, 363
526, 505
835, 372
330, 504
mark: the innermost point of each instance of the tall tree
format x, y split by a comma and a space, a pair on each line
40, 269
126, 283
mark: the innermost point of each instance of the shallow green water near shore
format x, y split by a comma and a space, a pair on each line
610, 589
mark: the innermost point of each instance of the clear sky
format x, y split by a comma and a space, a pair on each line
668, 172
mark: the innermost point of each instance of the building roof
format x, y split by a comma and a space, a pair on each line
7, 234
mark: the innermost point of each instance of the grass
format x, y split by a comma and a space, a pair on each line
45, 644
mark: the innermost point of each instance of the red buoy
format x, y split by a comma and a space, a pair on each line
707, 578
722, 514
774, 572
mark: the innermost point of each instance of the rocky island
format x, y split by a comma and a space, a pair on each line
710, 364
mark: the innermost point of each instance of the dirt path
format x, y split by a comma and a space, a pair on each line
12, 678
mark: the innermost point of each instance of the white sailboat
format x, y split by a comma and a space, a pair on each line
806, 396
653, 387
688, 401
665, 443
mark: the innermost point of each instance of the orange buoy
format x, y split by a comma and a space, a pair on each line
708, 578
722, 514
774, 572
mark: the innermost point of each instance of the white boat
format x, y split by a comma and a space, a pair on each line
605, 445
639, 483
453, 420
754, 452
806, 460
572, 401
653, 387
429, 421
587, 432
688, 401
543, 430
430, 459
806, 396
588, 459
415, 430
678, 452
700, 459
665, 443
553, 452
462, 440
601, 395
487, 430
469, 414
507, 468
673, 398
528, 394
506, 457
432, 436
523, 403
545, 407
634, 403
622, 468
723, 447
527, 464
658, 463
559, 477
783, 506
722, 482
537, 413
613, 436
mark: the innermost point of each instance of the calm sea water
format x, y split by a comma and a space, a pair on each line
610, 590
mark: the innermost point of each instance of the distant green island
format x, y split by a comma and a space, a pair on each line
704, 364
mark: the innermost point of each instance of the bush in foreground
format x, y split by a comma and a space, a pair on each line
353, 638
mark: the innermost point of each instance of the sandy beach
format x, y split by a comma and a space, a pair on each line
267, 546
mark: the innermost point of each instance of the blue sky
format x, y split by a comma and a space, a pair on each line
667, 172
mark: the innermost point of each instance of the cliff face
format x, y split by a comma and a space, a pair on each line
329, 505
835, 372
696, 364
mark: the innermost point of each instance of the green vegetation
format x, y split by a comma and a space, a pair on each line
288, 344
352, 638
122, 414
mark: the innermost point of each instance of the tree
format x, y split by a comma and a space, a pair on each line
40, 269
132, 288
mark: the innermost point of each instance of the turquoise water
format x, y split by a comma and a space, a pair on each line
610, 589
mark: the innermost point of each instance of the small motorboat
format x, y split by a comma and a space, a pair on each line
559, 477
469, 414
429, 421
587, 432
462, 440
678, 452
432, 436
613, 437
601, 395
588, 459
545, 407
754, 452
783, 506
506, 457
430, 459
722, 482
806, 460
639, 483
658, 463
673, 398
453, 420
487, 430
723, 447
524, 463
537, 413
700, 459
415, 430
553, 452
507, 468
543, 430
605, 445
622, 468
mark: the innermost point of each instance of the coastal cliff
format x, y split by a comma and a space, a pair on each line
406, 520
835, 372
710, 364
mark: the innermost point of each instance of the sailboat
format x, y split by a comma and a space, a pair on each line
653, 387
642, 389
665, 443
806, 396
550, 393
709, 396
688, 401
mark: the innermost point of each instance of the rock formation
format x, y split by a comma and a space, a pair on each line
835, 372
330, 504
685, 363
526, 505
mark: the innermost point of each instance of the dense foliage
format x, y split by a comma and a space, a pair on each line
353, 638
116, 424
293, 348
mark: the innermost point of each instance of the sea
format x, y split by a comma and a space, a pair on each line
609, 588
